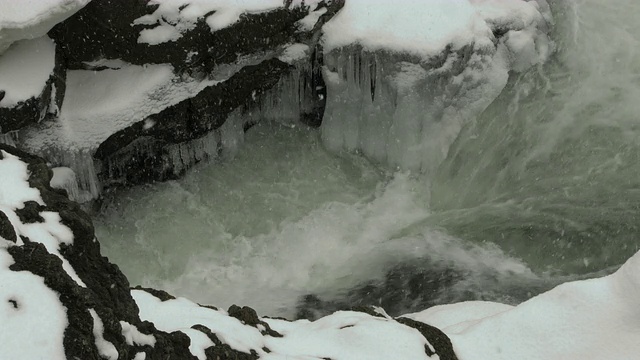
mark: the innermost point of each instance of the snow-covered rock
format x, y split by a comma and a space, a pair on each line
242, 60
587, 319
29, 19
402, 80
65, 301
32, 83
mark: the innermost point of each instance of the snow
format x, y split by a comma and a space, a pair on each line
133, 336
458, 314
346, 335
173, 21
309, 22
181, 314
30, 313
25, 68
15, 191
105, 348
425, 27
294, 52
28, 19
174, 17
100, 103
342, 335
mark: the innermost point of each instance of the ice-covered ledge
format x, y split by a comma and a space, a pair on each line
137, 111
403, 80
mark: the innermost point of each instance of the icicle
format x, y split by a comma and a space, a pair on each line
401, 110
232, 131
291, 98
180, 157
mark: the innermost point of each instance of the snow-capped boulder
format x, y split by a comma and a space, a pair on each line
28, 20
63, 300
189, 35
32, 83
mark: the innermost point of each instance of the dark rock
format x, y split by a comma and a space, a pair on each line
160, 294
6, 229
221, 350
248, 316
438, 339
30, 213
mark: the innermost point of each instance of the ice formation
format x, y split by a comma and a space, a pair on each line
401, 86
65, 178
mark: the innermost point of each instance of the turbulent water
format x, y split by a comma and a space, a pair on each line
543, 187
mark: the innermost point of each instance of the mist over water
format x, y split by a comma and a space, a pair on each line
543, 187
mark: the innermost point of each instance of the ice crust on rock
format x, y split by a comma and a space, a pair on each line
28, 19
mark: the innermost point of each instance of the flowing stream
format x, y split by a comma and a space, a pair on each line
543, 187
